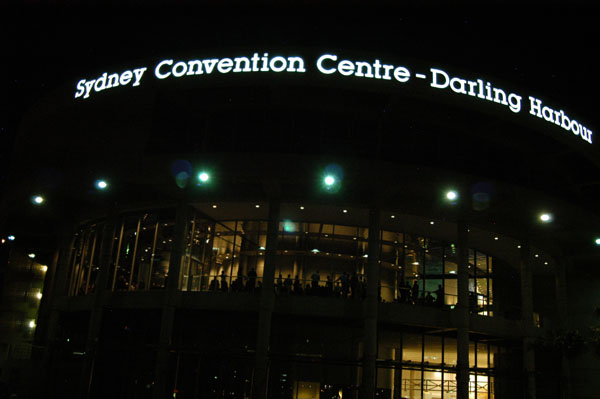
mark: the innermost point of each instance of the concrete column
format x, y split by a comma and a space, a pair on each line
371, 305
462, 312
170, 299
563, 322
527, 322
266, 303
97, 312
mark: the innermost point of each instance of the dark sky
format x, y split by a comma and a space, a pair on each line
549, 48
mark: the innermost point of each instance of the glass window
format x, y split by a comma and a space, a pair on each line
412, 383
481, 264
450, 352
433, 349
432, 384
412, 350
482, 355
124, 255
493, 355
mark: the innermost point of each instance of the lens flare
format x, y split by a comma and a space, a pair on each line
181, 170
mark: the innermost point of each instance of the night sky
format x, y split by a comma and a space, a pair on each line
547, 49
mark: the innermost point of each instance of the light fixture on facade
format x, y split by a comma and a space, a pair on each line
44, 268
345, 210
32, 324
37, 199
101, 184
451, 195
31, 255
203, 177
257, 206
597, 241
11, 238
546, 217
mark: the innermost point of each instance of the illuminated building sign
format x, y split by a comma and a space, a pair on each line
331, 64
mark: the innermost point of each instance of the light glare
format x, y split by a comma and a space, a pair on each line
329, 180
451, 195
546, 217
101, 184
38, 199
203, 177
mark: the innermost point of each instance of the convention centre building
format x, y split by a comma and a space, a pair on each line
305, 223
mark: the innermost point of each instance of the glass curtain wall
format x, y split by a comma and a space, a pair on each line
311, 259
140, 254
425, 367
421, 270
84, 265
142, 251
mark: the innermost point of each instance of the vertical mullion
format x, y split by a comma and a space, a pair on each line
114, 280
87, 282
189, 263
422, 363
233, 253
135, 245
149, 279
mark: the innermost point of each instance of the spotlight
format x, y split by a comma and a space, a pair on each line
37, 199
101, 184
332, 178
203, 177
452, 195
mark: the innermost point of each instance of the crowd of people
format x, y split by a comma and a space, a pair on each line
345, 286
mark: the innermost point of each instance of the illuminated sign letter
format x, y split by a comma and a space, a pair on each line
157, 72
434, 81
320, 67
